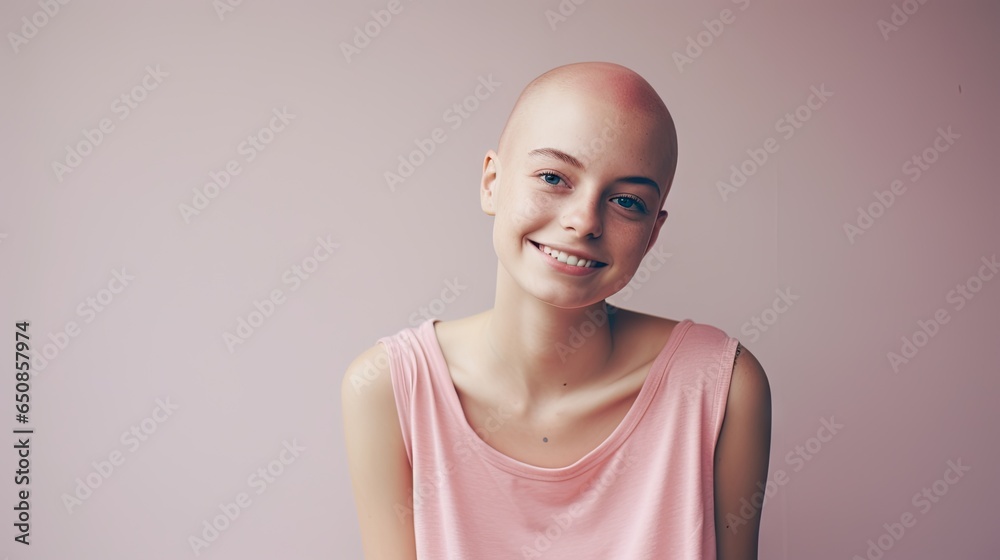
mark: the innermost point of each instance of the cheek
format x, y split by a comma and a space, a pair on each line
535, 206
530, 207
631, 241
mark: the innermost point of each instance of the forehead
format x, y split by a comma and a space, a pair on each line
601, 132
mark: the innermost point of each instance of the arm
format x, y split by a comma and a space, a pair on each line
381, 476
741, 460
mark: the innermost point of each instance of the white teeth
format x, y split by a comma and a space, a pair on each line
571, 260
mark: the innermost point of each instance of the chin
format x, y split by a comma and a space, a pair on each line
557, 295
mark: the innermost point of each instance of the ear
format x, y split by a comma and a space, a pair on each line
488, 184
660, 218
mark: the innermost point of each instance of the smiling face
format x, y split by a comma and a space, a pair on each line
582, 169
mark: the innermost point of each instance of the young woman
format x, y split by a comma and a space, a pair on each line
555, 425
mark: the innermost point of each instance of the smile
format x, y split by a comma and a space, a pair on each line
568, 258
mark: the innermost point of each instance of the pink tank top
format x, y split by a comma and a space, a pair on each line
645, 493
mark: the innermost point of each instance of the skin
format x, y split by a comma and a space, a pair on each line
597, 207
535, 309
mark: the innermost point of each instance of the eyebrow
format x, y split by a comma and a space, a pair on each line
570, 160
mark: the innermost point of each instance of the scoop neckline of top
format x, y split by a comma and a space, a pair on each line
609, 445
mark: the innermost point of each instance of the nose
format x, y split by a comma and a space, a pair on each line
583, 216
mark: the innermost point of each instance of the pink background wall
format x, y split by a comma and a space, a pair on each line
196, 85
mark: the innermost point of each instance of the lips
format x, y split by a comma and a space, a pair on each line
568, 257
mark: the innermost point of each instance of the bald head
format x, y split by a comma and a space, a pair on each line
611, 89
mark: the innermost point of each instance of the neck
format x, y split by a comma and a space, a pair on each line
544, 350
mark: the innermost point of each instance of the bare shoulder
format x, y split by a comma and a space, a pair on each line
742, 454
367, 398
749, 388
748, 406
379, 467
367, 378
